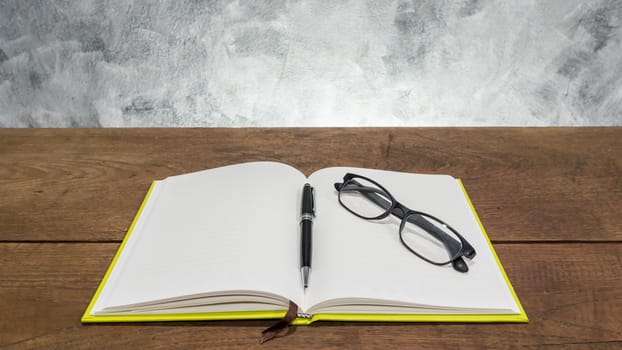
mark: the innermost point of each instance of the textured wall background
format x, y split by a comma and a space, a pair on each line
308, 62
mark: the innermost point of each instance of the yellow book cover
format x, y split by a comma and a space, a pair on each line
223, 244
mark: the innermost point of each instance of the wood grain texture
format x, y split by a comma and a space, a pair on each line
571, 292
548, 197
528, 184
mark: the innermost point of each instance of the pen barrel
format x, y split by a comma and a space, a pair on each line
305, 245
307, 200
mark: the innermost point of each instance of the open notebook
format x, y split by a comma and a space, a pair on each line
224, 244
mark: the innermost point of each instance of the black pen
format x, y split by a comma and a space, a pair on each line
306, 224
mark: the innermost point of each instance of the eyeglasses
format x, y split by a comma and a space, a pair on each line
424, 235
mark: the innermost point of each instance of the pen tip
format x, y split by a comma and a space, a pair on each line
305, 276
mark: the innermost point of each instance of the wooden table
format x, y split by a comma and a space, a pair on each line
550, 199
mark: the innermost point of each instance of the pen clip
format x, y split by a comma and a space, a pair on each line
313, 200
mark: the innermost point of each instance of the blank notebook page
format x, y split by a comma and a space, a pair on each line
201, 237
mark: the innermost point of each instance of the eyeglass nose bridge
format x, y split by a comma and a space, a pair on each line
399, 211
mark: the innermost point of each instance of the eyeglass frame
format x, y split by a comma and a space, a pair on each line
404, 214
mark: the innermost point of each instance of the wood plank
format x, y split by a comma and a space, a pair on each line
571, 292
528, 184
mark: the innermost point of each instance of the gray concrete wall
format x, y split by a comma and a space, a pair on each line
310, 63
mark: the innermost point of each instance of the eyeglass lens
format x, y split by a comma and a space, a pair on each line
364, 198
430, 238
